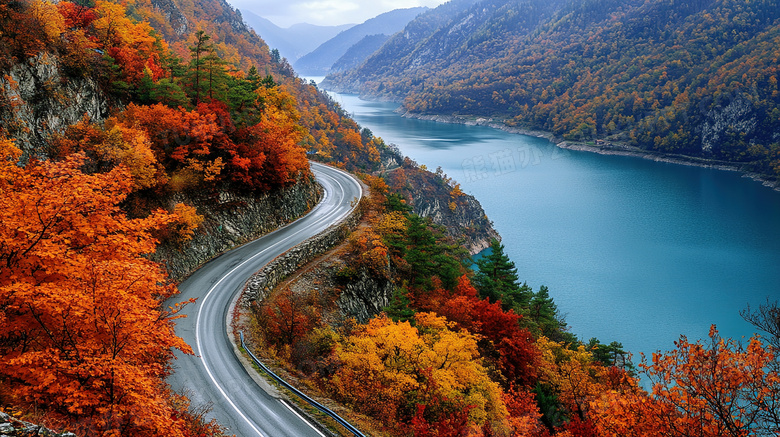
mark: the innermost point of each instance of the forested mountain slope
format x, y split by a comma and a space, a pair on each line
194, 116
359, 52
127, 126
694, 78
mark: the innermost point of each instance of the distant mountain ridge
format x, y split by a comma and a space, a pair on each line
359, 52
295, 41
459, 32
320, 61
691, 78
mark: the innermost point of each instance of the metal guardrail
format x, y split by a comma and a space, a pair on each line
323, 409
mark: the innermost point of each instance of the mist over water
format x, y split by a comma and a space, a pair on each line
632, 250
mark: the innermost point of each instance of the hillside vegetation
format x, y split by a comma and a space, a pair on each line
196, 103
462, 350
181, 102
695, 78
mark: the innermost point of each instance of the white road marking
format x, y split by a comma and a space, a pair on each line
205, 299
300, 417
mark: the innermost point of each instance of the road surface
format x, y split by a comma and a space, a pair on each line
214, 376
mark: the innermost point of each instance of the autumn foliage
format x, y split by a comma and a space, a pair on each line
85, 343
444, 360
83, 334
396, 371
189, 122
718, 388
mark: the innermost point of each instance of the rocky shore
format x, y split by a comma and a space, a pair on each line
604, 148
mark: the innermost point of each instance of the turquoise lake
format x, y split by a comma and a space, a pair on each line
632, 250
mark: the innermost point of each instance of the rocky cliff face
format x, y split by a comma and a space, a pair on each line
173, 16
365, 297
433, 195
738, 117
231, 220
466, 223
36, 100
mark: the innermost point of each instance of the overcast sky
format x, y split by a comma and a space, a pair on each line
285, 13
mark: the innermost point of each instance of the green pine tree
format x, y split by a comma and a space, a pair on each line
253, 77
611, 354
174, 65
543, 314
399, 309
496, 279
197, 65
168, 92
215, 77
144, 90
428, 257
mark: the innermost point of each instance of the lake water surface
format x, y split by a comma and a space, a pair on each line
632, 250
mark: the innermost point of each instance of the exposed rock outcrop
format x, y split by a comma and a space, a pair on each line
738, 117
36, 100
433, 195
17, 428
232, 219
173, 16
365, 297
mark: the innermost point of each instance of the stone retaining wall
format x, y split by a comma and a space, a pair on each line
259, 285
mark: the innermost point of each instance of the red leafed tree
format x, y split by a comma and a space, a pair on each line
288, 317
519, 357
268, 155
578, 427
524, 415
76, 15
82, 332
176, 134
183, 141
450, 423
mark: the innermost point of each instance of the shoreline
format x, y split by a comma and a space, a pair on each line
609, 148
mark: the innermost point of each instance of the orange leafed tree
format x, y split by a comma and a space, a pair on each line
288, 317
182, 141
82, 335
131, 44
267, 154
579, 382
715, 389
111, 145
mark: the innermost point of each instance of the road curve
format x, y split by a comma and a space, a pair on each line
214, 376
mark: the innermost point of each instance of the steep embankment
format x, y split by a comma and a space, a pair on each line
232, 219
38, 100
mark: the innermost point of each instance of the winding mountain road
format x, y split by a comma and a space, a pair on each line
214, 376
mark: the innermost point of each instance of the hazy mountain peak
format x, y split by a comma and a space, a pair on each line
294, 41
319, 61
